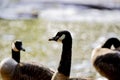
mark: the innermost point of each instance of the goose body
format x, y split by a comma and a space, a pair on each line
13, 69
106, 60
7, 67
27, 71
63, 71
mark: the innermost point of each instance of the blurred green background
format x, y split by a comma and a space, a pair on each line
87, 32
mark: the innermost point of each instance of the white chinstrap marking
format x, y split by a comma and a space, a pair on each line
62, 37
14, 47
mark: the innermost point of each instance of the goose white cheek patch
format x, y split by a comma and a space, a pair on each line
61, 38
14, 48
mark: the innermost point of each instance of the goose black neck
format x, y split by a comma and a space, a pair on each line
112, 41
65, 62
16, 56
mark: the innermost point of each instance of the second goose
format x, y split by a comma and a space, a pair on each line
107, 60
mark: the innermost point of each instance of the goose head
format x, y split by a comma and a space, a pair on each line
17, 46
62, 36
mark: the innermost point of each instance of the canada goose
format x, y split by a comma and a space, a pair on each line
107, 60
65, 63
63, 72
13, 69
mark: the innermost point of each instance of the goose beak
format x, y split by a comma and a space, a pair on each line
23, 49
52, 39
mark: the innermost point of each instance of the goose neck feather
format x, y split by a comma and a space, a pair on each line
16, 56
65, 62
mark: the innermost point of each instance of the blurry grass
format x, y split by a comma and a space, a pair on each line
35, 34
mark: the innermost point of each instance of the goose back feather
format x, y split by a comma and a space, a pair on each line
27, 71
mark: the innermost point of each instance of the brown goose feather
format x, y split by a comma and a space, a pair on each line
25, 71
